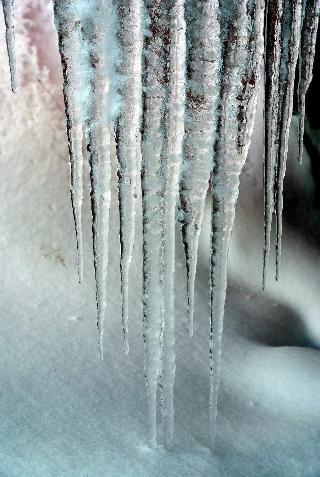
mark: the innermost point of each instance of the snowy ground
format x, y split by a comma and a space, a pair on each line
65, 413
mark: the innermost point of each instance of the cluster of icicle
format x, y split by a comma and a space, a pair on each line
291, 33
176, 82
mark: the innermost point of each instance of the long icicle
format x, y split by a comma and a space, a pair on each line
67, 24
242, 56
203, 63
8, 13
155, 80
171, 157
307, 52
98, 144
289, 57
274, 18
128, 138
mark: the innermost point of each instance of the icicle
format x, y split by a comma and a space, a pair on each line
67, 24
171, 157
307, 52
155, 80
8, 13
289, 57
128, 138
203, 63
98, 139
274, 17
242, 56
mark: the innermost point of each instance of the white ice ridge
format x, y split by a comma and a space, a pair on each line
176, 83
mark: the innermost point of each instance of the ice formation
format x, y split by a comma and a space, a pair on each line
203, 65
128, 137
86, 32
242, 33
69, 40
307, 52
162, 134
8, 13
290, 41
175, 83
290, 27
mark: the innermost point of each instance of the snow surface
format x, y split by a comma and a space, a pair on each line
63, 412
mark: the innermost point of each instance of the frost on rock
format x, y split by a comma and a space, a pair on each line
242, 51
176, 82
8, 13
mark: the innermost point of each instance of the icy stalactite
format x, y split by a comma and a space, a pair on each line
241, 63
171, 157
202, 66
128, 137
8, 13
289, 56
274, 18
307, 52
98, 144
67, 24
88, 50
155, 81
193, 78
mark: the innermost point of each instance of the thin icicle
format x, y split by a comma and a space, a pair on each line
289, 56
274, 18
242, 56
307, 52
203, 64
155, 80
67, 23
8, 13
128, 138
98, 143
247, 97
171, 157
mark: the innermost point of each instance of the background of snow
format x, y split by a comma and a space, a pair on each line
65, 413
